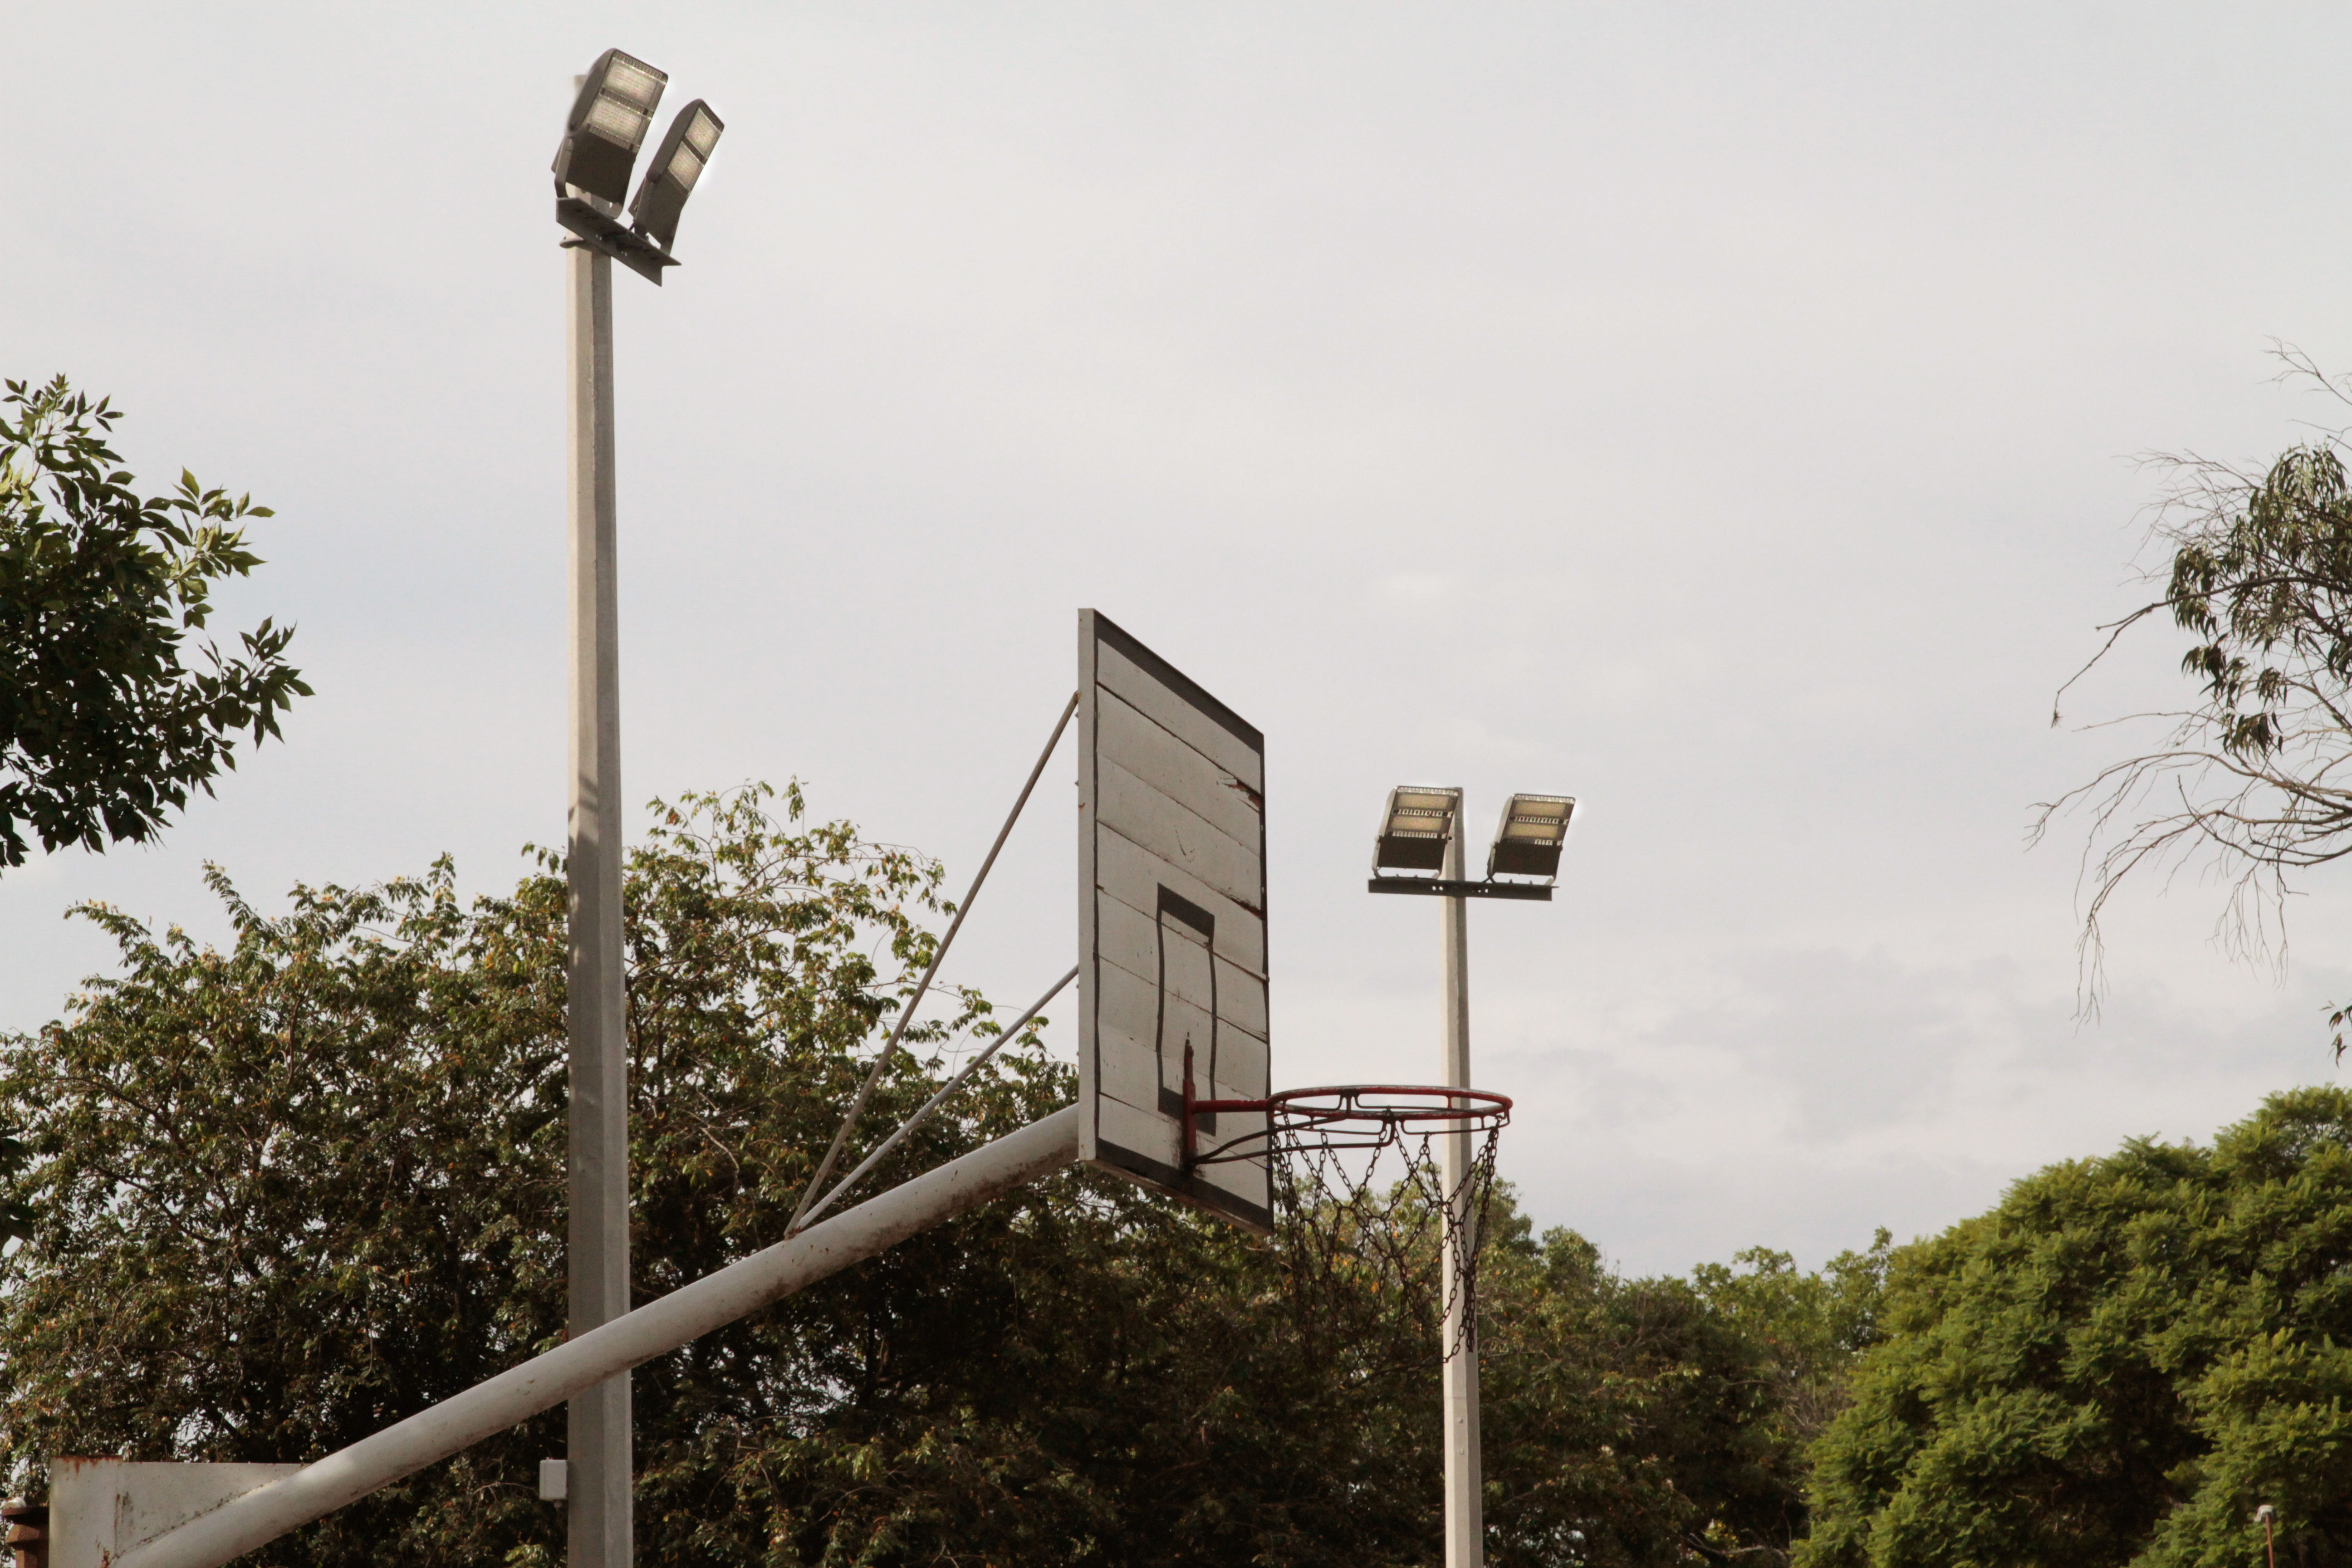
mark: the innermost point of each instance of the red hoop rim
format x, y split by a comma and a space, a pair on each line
1477, 1104
1349, 1123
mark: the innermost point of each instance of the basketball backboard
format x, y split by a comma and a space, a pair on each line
1171, 924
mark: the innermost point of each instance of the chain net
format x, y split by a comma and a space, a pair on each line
1361, 1194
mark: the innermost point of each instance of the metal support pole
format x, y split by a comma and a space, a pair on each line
938, 956
1465, 1527
660, 1326
881, 1153
597, 1437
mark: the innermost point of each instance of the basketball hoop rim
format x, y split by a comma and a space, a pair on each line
1480, 1103
1350, 1121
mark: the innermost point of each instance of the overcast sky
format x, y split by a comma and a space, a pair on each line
1722, 414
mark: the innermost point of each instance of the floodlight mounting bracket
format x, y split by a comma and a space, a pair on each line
607, 237
1462, 887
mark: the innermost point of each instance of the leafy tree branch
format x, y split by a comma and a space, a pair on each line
109, 714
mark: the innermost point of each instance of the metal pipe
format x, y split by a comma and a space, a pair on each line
907, 1014
1465, 1530
655, 1329
597, 1441
932, 1104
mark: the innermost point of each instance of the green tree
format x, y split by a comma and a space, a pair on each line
1637, 1422
291, 1191
2117, 1365
1808, 1327
104, 728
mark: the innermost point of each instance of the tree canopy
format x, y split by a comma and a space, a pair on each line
2116, 1367
284, 1193
105, 724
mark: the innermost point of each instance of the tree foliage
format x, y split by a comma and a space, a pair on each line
2116, 1367
285, 1193
1807, 1327
1641, 1422
104, 724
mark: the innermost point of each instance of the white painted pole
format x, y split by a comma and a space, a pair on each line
655, 1329
1465, 1525
938, 956
882, 1150
600, 1515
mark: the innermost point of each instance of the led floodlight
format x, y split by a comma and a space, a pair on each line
1414, 832
607, 126
1527, 841
669, 178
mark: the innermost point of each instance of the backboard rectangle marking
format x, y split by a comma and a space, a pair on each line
1126, 871
1126, 939
1184, 1035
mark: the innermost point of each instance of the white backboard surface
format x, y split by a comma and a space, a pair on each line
1172, 923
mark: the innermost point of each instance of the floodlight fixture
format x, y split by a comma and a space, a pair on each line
1419, 824
1529, 839
1417, 833
609, 119
678, 163
607, 125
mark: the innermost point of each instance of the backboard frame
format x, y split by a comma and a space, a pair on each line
1206, 915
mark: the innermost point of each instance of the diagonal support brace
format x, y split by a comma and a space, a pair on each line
655, 1329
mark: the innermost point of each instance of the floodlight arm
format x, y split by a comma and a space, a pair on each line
1453, 888
609, 237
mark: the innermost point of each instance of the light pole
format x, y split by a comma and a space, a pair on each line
1421, 833
610, 115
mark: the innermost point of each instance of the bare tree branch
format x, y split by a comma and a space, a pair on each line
2250, 785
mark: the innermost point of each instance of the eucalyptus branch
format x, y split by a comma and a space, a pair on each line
2257, 570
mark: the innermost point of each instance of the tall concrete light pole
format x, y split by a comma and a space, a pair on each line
1465, 1519
1421, 833
610, 115
598, 1433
